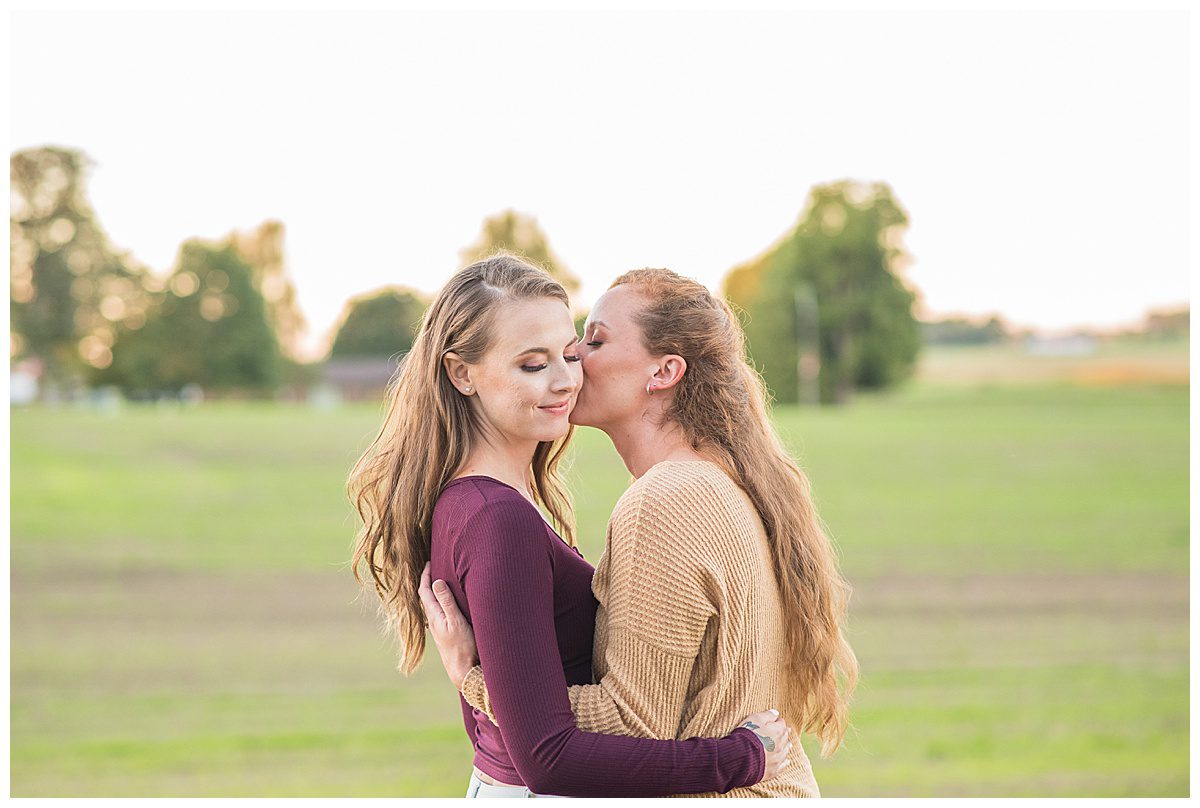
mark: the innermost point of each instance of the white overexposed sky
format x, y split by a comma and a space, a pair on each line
1042, 156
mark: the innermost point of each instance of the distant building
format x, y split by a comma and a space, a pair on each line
354, 379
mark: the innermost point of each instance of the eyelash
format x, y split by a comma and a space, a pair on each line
527, 369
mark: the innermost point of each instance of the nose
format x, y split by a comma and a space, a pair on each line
568, 377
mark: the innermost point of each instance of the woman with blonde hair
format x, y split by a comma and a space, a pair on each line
469, 450
718, 587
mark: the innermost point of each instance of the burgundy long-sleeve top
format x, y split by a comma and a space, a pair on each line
528, 597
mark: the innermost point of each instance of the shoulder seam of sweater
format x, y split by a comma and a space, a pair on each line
657, 489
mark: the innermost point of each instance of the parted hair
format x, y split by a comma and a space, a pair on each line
722, 406
428, 433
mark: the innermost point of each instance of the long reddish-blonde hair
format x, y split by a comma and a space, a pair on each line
721, 404
429, 431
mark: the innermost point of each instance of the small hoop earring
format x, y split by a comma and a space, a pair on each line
649, 389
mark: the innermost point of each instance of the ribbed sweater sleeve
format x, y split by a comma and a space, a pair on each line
507, 571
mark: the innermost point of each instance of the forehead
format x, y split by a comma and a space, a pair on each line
541, 323
617, 306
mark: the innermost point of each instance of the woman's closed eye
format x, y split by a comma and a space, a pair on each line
543, 366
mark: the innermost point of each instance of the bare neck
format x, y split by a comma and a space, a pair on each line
509, 463
642, 443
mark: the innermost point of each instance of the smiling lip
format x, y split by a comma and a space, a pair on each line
556, 409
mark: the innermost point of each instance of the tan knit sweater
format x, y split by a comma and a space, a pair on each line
689, 630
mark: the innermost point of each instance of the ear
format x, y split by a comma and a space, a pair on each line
670, 370
459, 373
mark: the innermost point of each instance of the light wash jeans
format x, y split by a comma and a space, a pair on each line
478, 788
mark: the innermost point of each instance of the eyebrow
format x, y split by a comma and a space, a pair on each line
599, 322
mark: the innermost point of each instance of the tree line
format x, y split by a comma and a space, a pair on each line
825, 309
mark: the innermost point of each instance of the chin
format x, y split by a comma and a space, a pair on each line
579, 419
586, 415
547, 436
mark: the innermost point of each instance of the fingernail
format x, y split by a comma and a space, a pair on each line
773, 712
439, 584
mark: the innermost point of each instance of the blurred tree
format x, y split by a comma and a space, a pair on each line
519, 234
848, 244
381, 323
262, 249
70, 289
209, 328
1168, 323
840, 268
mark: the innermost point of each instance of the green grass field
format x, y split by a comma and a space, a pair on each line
184, 621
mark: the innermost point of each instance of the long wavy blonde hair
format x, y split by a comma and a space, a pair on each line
428, 433
721, 404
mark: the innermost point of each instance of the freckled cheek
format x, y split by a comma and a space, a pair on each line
522, 394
